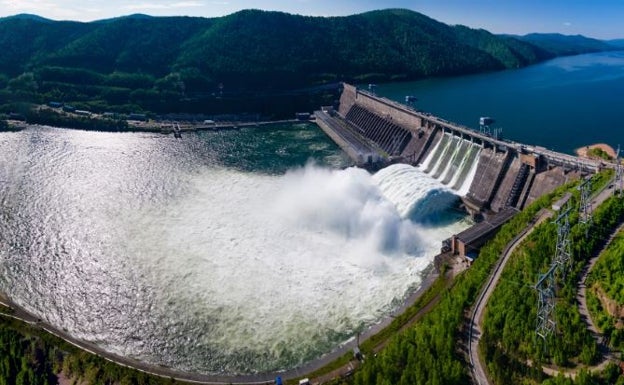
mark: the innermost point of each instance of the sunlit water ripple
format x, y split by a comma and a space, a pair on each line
218, 253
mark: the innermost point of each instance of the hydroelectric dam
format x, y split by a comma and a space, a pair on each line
493, 177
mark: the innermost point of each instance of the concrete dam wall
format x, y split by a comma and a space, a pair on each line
490, 174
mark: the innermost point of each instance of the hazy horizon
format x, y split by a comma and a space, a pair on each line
599, 19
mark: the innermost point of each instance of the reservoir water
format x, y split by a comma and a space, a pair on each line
258, 249
561, 104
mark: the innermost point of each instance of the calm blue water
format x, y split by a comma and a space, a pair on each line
561, 104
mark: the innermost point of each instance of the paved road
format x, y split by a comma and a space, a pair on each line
582, 289
582, 298
475, 330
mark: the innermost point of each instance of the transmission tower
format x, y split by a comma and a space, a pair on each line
585, 212
545, 285
563, 250
546, 303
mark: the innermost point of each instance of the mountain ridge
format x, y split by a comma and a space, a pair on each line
150, 62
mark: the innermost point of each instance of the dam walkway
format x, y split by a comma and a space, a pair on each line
554, 156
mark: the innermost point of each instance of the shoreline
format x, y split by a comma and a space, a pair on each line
429, 276
583, 151
166, 127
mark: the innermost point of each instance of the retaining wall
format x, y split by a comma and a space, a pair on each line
500, 198
489, 172
547, 181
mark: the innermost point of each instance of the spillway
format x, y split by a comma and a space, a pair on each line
414, 193
446, 173
448, 152
453, 162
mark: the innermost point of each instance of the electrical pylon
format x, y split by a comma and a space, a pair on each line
585, 211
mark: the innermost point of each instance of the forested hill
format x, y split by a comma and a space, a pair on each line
561, 45
146, 61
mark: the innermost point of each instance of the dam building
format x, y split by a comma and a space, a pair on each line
493, 177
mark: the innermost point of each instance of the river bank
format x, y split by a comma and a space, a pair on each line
167, 127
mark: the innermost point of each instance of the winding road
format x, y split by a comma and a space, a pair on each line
478, 370
476, 320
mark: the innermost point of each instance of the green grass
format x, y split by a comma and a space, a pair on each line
5, 309
598, 153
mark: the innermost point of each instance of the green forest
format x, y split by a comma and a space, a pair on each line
510, 340
606, 279
29, 356
249, 61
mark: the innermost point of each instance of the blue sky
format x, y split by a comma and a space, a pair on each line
602, 19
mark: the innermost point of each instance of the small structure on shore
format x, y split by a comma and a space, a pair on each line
468, 242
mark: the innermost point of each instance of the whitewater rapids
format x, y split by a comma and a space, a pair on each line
154, 250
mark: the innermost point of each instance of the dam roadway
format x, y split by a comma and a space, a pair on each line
561, 158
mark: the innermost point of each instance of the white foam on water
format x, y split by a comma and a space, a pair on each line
284, 262
414, 193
